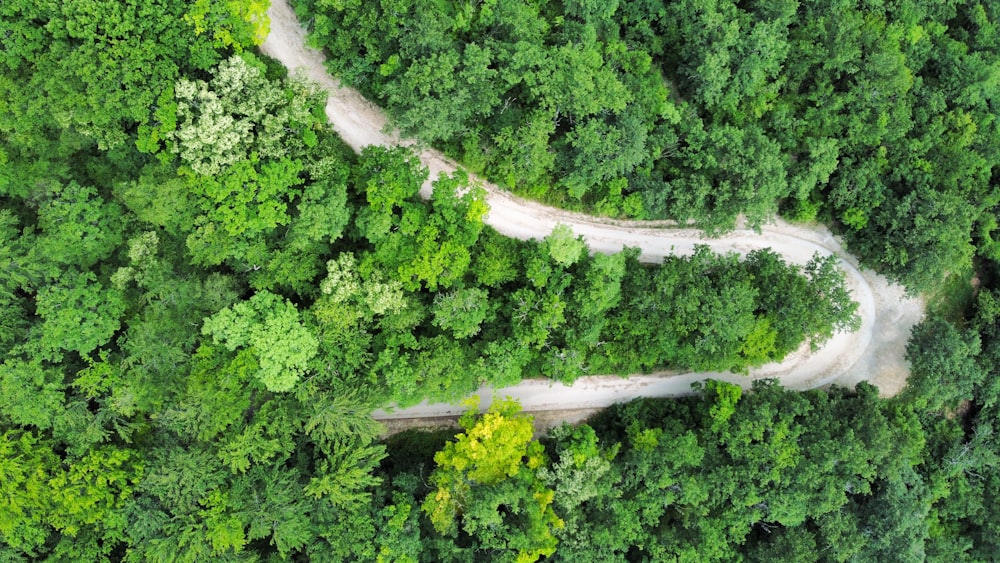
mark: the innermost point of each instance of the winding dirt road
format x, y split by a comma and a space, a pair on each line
874, 353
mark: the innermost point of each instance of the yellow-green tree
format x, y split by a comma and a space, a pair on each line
488, 488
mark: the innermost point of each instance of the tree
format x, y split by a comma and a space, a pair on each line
238, 114
536, 315
236, 23
99, 67
270, 328
461, 311
582, 473
78, 313
267, 503
74, 496
26, 464
723, 172
418, 244
487, 486
320, 218
239, 208
494, 259
563, 248
791, 545
943, 365
79, 228
431, 100
92, 489
812, 306
605, 153
372, 296
33, 394
709, 312
524, 160
921, 236
596, 294
984, 322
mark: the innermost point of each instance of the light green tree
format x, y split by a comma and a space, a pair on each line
78, 227
233, 23
271, 329
372, 296
239, 114
563, 247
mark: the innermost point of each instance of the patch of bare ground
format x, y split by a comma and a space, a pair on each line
543, 421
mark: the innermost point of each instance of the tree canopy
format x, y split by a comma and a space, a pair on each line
204, 294
876, 117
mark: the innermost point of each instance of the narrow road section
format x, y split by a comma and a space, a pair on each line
874, 353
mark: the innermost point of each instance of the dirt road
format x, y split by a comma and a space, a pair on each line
874, 353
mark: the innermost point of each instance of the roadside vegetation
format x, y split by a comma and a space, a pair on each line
204, 294
767, 475
878, 118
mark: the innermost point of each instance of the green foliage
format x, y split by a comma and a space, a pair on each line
92, 488
726, 397
78, 227
374, 296
43, 493
78, 314
24, 466
203, 294
953, 297
420, 246
668, 480
943, 365
461, 311
33, 395
239, 113
234, 23
723, 172
583, 473
271, 329
488, 487
876, 117
120, 56
554, 90
718, 313
492, 447
563, 248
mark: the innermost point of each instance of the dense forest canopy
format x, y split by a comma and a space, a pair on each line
766, 475
878, 117
204, 294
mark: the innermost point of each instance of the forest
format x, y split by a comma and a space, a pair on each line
205, 293
877, 117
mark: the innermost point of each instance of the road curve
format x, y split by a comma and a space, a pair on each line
874, 353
